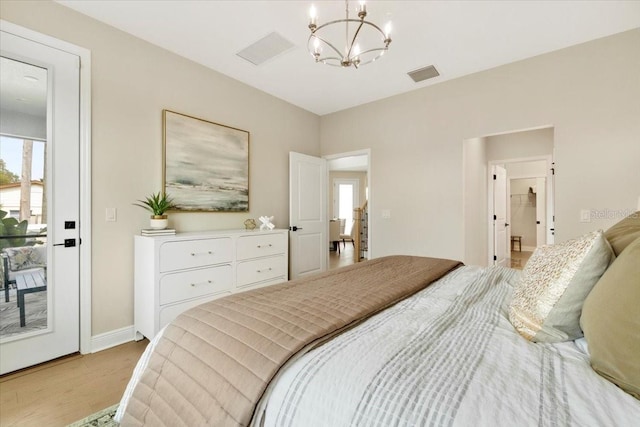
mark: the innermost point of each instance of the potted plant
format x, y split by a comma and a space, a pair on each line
157, 204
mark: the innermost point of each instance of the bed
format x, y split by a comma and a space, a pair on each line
404, 341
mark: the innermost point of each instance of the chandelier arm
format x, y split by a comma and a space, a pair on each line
346, 29
377, 28
327, 58
355, 36
327, 43
375, 49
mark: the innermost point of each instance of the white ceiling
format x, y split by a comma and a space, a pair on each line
458, 37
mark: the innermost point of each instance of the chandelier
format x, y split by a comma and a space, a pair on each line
364, 41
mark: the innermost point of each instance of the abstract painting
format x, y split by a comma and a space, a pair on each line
206, 165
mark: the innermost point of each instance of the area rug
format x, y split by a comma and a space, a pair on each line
102, 418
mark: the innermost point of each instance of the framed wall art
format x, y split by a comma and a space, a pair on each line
206, 165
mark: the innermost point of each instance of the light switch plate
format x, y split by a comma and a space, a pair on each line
585, 215
111, 215
386, 213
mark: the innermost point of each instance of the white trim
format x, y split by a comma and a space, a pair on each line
528, 248
370, 199
112, 338
508, 132
85, 168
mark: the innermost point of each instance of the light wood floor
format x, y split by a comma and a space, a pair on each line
342, 259
519, 259
63, 391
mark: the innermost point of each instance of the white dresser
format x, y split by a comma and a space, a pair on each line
175, 273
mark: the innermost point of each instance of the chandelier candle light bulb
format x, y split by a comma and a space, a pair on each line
364, 41
363, 9
313, 18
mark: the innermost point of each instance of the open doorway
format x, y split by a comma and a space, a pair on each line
528, 198
348, 186
527, 210
516, 152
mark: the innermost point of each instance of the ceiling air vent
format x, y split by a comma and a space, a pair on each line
423, 74
266, 48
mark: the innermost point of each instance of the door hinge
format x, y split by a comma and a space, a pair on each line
494, 177
495, 217
495, 258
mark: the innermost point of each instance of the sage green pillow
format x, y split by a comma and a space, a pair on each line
624, 232
548, 298
611, 321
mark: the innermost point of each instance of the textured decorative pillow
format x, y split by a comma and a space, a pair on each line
611, 321
26, 257
623, 233
548, 299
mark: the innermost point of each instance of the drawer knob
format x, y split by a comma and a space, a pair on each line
265, 246
201, 253
262, 271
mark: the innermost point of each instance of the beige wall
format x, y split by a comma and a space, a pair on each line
518, 145
132, 82
526, 169
475, 212
588, 93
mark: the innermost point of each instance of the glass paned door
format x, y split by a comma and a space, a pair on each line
39, 202
23, 207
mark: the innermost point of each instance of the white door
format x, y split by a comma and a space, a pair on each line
59, 334
308, 225
501, 248
541, 212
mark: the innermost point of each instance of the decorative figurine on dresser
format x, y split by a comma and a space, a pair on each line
176, 272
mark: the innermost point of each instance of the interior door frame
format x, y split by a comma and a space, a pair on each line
550, 206
370, 205
85, 167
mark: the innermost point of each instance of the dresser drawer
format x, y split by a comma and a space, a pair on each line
170, 312
195, 253
260, 245
259, 270
184, 285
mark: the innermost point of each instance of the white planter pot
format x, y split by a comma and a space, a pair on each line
158, 223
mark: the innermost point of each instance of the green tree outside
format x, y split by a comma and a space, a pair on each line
6, 176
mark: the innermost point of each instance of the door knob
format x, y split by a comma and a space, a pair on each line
68, 243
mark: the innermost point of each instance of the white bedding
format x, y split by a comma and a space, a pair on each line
446, 356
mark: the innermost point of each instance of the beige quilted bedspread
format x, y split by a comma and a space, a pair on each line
215, 361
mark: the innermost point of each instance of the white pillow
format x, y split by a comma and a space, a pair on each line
548, 299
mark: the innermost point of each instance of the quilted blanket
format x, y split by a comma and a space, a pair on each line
213, 363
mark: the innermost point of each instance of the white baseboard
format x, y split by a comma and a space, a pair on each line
528, 248
112, 338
